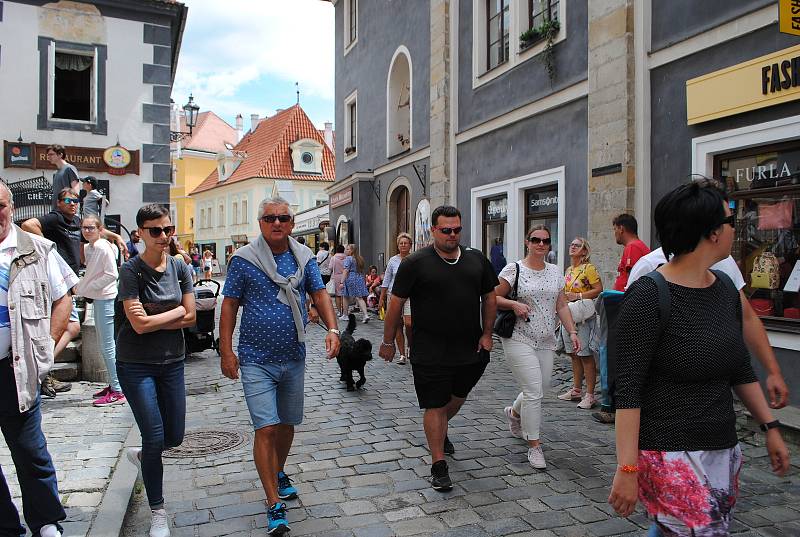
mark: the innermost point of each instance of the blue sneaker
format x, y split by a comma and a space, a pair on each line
276, 519
285, 489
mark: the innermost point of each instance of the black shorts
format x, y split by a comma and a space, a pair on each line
435, 384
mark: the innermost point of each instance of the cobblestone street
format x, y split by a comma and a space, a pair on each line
361, 466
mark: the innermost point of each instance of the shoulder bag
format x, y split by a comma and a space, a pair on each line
583, 309
506, 319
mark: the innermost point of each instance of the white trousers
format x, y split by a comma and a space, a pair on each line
532, 369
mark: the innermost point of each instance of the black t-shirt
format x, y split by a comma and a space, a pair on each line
445, 304
158, 292
65, 234
682, 381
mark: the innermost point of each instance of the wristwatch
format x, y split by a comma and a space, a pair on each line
334, 331
771, 425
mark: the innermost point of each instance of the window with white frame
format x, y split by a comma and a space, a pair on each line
351, 126
221, 214
202, 218
498, 23
245, 216
350, 24
506, 33
235, 213
398, 104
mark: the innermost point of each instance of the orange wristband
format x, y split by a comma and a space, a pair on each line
629, 468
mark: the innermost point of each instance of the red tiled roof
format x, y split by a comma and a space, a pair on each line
268, 152
210, 133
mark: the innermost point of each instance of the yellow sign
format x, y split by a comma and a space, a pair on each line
765, 81
117, 157
789, 16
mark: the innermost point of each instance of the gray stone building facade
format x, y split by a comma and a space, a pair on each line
624, 101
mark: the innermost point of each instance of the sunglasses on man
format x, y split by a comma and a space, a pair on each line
156, 231
282, 218
538, 240
70, 201
450, 230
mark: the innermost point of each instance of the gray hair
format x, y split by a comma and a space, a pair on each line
274, 200
5, 187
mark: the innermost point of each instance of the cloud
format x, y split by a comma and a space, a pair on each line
230, 48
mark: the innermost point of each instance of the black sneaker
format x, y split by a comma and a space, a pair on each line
440, 479
448, 446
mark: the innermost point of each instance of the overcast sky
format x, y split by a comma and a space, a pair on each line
244, 57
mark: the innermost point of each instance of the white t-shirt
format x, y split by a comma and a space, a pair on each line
539, 289
656, 258
59, 274
324, 262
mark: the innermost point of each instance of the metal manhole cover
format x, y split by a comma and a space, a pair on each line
202, 442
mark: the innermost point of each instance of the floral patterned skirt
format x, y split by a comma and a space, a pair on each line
690, 493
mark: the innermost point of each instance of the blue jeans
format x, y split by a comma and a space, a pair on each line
104, 328
605, 395
157, 396
35, 470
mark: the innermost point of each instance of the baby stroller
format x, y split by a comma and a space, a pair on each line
201, 336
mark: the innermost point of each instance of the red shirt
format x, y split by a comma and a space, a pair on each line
630, 255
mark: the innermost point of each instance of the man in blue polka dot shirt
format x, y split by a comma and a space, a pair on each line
270, 279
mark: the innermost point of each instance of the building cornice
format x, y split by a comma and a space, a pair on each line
420, 154
350, 180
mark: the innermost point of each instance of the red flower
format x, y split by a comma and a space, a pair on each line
670, 487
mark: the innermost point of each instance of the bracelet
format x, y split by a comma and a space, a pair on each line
771, 425
629, 468
383, 344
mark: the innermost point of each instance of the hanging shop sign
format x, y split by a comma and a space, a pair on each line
117, 158
343, 197
764, 81
17, 155
789, 17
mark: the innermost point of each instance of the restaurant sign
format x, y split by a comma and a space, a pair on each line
115, 160
343, 197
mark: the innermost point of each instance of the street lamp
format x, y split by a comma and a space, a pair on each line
190, 111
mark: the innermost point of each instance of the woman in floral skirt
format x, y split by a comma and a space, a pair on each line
677, 448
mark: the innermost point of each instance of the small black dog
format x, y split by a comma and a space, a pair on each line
353, 355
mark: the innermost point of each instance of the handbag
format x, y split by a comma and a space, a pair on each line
766, 274
762, 307
331, 287
776, 215
582, 310
506, 319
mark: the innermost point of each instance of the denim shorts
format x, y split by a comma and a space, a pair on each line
274, 392
73, 314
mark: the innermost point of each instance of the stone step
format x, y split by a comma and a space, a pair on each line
66, 371
72, 353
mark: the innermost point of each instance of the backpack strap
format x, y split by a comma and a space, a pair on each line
728, 283
664, 300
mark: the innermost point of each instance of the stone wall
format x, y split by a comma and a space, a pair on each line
440, 104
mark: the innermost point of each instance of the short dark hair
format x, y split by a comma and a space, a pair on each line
688, 214
627, 221
64, 191
340, 248
58, 150
151, 211
301, 240
324, 245
91, 180
448, 211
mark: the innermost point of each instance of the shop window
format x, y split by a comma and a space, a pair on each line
764, 185
498, 21
495, 221
541, 209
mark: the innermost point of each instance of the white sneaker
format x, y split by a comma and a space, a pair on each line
401, 360
343, 317
536, 457
587, 402
514, 422
49, 530
366, 319
135, 457
159, 526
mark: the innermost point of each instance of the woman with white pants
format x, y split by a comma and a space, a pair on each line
531, 348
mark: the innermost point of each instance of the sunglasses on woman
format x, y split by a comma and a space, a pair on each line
282, 218
538, 240
156, 231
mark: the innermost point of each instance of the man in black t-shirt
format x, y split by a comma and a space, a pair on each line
62, 226
453, 308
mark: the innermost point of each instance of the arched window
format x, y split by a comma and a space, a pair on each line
398, 103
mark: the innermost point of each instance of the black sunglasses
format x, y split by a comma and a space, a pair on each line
537, 240
156, 231
282, 218
730, 220
450, 230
